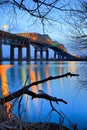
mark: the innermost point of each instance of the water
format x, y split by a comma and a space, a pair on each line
14, 77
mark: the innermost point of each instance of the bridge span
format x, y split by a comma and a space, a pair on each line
41, 43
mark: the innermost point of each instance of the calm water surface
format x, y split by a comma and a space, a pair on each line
13, 77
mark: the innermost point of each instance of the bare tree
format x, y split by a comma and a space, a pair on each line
45, 11
48, 11
78, 27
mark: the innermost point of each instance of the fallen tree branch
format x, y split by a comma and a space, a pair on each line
25, 90
30, 93
52, 78
45, 96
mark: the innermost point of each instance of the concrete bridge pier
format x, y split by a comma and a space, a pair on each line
1, 57
57, 55
19, 53
28, 53
11, 53
47, 55
41, 50
35, 54
41, 54
38, 49
62, 56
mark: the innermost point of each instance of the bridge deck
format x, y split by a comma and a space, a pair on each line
23, 39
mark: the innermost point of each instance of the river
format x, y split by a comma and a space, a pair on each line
14, 77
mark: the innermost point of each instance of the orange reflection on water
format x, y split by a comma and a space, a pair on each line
72, 66
33, 79
61, 67
39, 85
34, 87
5, 91
48, 82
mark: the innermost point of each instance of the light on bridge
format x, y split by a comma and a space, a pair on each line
54, 44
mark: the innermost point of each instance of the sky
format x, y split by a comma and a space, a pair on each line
23, 22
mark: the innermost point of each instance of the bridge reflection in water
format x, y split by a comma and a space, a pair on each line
4, 86
17, 76
40, 43
14, 77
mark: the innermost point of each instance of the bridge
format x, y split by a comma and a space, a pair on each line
41, 43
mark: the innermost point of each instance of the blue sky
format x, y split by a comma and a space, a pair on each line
23, 22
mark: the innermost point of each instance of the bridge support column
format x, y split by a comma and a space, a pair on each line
20, 53
35, 54
54, 55
28, 53
41, 54
12, 53
58, 56
1, 57
62, 56
47, 55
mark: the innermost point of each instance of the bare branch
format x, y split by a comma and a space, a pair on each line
25, 90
